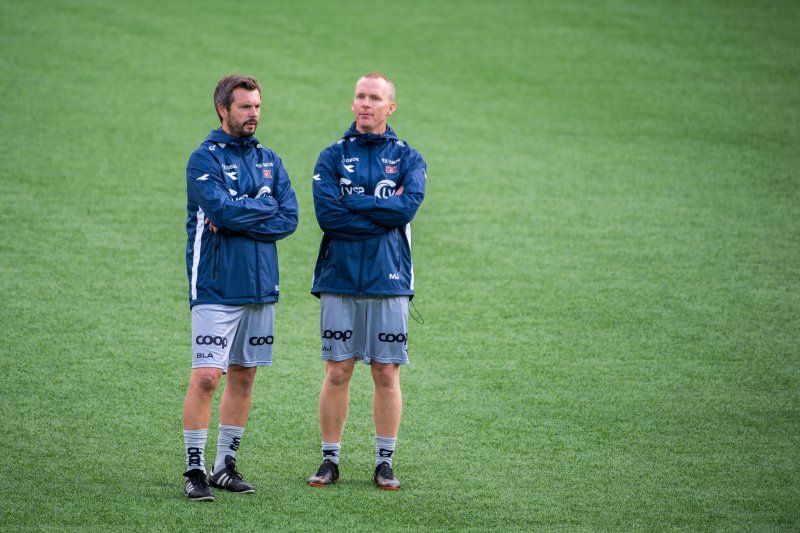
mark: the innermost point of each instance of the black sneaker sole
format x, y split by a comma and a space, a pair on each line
202, 499
312, 484
249, 491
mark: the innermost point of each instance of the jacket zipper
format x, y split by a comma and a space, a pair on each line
363, 243
246, 164
215, 269
258, 270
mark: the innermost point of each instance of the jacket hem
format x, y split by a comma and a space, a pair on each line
316, 291
233, 301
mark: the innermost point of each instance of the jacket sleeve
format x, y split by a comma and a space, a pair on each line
284, 221
397, 210
336, 220
205, 185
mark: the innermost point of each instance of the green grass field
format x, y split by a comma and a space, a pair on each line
607, 262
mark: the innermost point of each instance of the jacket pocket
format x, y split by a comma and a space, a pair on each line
324, 248
401, 242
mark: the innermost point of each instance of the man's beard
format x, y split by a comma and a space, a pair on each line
237, 128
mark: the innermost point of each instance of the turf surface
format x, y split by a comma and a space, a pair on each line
606, 262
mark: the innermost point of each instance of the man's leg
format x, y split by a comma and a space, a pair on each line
387, 408
333, 401
334, 398
203, 382
234, 408
387, 404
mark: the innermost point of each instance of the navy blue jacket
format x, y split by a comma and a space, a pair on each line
244, 190
366, 245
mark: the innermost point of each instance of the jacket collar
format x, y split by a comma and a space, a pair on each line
219, 136
369, 138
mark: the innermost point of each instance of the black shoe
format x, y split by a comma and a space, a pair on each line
327, 474
230, 479
384, 477
196, 486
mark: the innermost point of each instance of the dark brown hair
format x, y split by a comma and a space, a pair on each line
223, 94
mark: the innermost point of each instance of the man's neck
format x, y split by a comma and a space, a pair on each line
376, 132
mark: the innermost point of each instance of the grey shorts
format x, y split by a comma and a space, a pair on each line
365, 328
225, 335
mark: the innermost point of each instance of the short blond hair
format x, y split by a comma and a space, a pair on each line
378, 75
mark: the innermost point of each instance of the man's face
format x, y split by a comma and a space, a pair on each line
241, 120
371, 105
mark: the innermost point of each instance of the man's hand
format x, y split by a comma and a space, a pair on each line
399, 191
211, 226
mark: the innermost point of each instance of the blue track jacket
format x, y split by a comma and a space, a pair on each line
243, 188
366, 246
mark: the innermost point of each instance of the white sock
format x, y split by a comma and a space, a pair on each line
194, 445
384, 449
227, 444
330, 450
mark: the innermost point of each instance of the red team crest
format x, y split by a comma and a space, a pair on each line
391, 170
267, 173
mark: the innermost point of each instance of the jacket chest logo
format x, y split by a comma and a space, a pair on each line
349, 168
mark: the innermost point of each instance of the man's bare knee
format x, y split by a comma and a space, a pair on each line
385, 375
339, 373
206, 380
241, 379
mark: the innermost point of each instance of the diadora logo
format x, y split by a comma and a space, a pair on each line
349, 168
389, 161
233, 192
211, 339
261, 341
204, 177
263, 191
392, 337
349, 159
385, 188
316, 177
229, 167
348, 188
231, 175
337, 335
